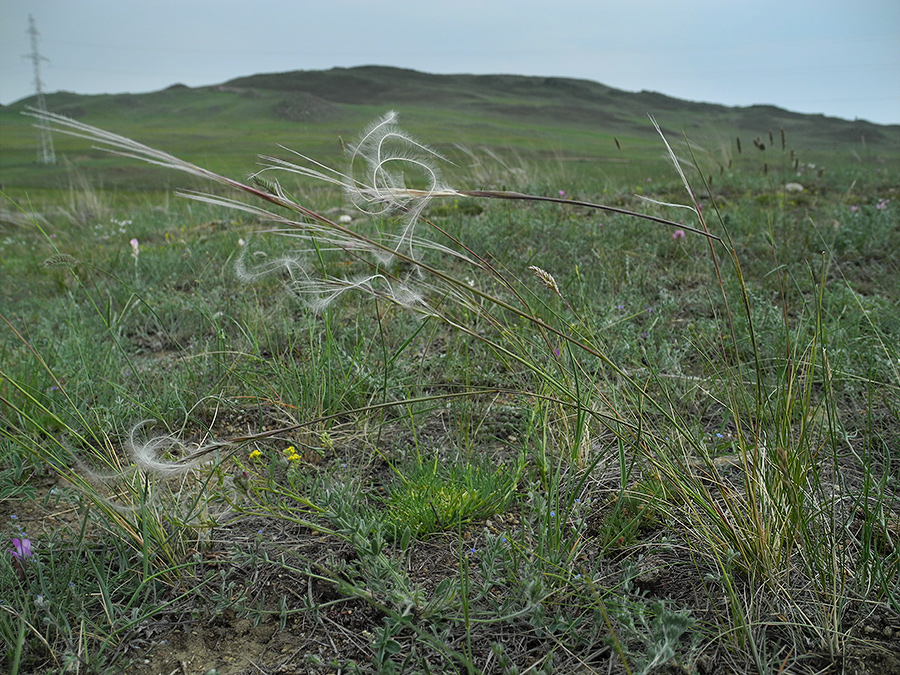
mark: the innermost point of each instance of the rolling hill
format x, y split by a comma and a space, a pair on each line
226, 126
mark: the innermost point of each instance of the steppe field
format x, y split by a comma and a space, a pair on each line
536, 376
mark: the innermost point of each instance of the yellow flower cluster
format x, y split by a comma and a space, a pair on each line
290, 452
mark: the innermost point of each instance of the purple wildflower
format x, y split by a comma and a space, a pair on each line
678, 234
20, 552
21, 548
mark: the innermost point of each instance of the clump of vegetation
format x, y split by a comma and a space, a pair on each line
428, 498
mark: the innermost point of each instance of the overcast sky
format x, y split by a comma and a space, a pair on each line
837, 57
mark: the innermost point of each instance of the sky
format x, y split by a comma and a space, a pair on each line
836, 57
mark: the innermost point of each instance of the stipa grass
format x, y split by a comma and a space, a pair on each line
735, 465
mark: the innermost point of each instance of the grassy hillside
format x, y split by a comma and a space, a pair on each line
582, 125
560, 102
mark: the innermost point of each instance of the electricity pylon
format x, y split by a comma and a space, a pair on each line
45, 153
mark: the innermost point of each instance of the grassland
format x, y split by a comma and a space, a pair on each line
543, 437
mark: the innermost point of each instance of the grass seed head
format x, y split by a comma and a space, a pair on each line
546, 278
59, 260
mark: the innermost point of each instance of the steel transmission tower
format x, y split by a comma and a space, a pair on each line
45, 153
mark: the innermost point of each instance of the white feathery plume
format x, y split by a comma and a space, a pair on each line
376, 181
320, 293
147, 454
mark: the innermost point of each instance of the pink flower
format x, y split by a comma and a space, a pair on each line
21, 549
854, 208
882, 204
678, 234
20, 552
562, 193
135, 249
